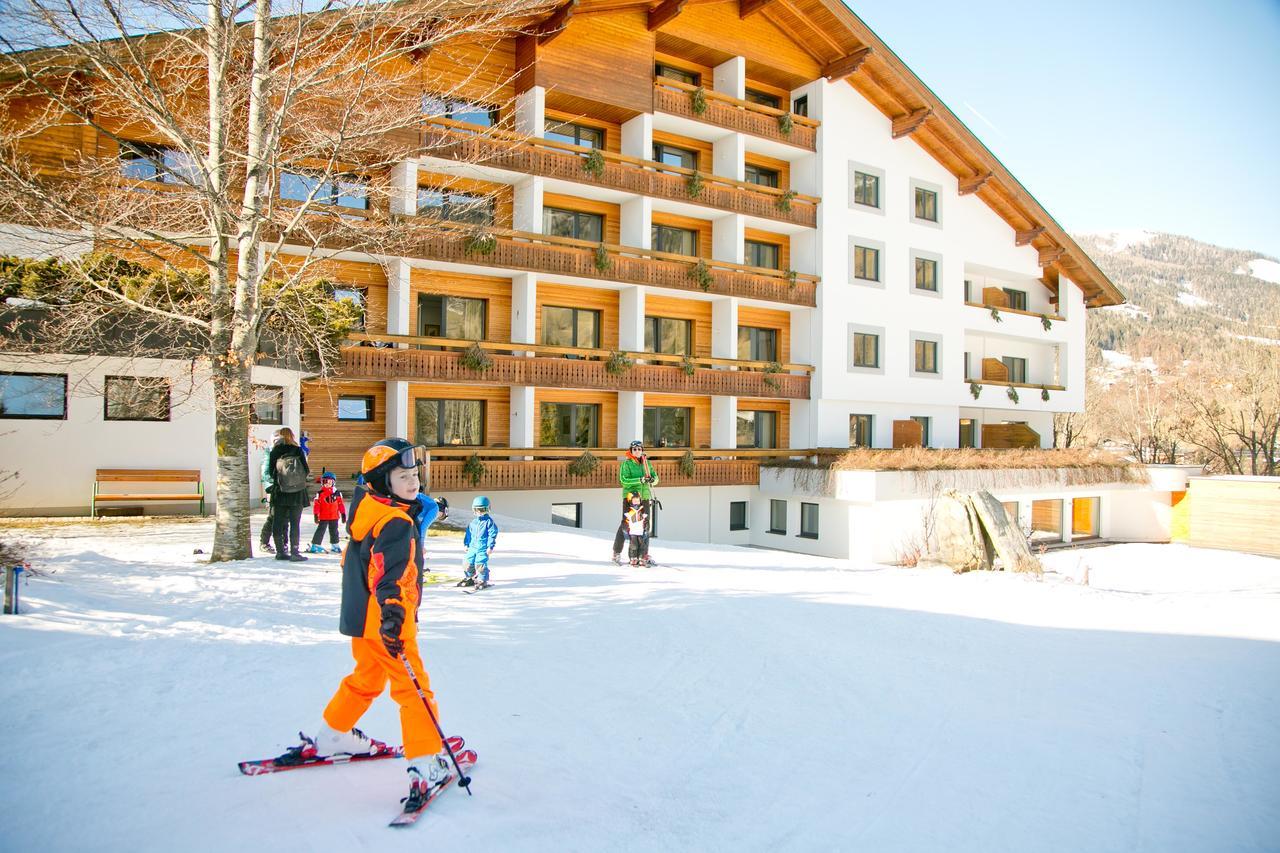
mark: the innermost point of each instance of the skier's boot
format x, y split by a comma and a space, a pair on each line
425, 776
266, 546
617, 559
355, 742
335, 548
467, 582
315, 549
635, 562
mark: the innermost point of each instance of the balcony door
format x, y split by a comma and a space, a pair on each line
667, 426
448, 423
456, 317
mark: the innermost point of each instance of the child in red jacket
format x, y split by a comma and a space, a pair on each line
326, 510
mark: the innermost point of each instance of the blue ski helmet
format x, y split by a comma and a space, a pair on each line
480, 502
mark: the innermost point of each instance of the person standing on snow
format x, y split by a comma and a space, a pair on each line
636, 475
325, 512
264, 537
481, 536
290, 473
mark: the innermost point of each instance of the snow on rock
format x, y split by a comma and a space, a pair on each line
1263, 268
743, 699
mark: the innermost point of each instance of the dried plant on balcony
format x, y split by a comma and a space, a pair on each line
688, 465
473, 469
792, 278
1044, 394
601, 259
1046, 322
618, 363
593, 164
584, 466
771, 371
786, 124
693, 185
1012, 393
480, 243
784, 200
687, 365
698, 101
995, 314
476, 358
975, 389
701, 275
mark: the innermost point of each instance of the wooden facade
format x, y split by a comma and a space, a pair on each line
1235, 513
336, 445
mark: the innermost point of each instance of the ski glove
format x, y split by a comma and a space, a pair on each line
647, 478
389, 633
444, 507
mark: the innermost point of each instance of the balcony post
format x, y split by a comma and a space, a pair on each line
637, 137
728, 235
731, 78
631, 319
724, 330
523, 410
531, 106
630, 417
524, 310
404, 188
398, 409
724, 421
527, 207
635, 221
399, 293
728, 156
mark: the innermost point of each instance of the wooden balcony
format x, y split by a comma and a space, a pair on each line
550, 159
547, 367
672, 96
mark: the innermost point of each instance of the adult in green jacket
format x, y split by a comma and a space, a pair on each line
638, 476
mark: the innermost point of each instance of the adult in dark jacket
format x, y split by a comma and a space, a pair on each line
290, 474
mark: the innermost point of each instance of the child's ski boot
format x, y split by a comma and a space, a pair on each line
315, 549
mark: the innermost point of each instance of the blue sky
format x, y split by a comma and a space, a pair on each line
1115, 115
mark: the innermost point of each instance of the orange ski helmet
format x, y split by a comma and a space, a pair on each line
383, 458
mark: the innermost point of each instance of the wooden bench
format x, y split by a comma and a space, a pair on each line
141, 475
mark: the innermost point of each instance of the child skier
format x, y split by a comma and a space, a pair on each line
637, 521
325, 512
481, 536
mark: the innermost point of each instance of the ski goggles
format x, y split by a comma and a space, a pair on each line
410, 457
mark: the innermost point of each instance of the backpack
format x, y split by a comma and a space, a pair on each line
291, 473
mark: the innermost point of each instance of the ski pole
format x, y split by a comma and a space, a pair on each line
463, 779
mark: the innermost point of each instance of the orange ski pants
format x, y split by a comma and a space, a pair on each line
374, 668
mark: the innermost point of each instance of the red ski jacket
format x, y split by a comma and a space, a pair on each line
328, 505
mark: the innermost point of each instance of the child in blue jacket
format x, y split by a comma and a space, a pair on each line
481, 536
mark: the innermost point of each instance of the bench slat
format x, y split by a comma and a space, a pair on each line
116, 475
147, 497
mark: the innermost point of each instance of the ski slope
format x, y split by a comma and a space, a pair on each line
738, 700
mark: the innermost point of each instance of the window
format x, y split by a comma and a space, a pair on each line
926, 274
800, 106
41, 396
670, 155
268, 405
1017, 298
573, 134
448, 423
570, 327
1017, 368
924, 428
968, 433
136, 398
355, 408
345, 191
967, 374
926, 204
866, 349
968, 290
737, 515
866, 189
566, 515
766, 255
573, 223
778, 517
860, 431
757, 429
764, 99
1084, 517
354, 295
668, 335
1046, 521
761, 176
457, 110
457, 317
666, 426
449, 206
926, 356
677, 241
672, 73
569, 425
866, 263
757, 344
141, 161
808, 521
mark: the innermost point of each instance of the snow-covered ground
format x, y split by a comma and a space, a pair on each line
740, 700
1265, 269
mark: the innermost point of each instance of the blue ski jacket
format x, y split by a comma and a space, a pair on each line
481, 535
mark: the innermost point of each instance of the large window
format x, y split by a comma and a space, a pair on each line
574, 134
1017, 368
567, 515
458, 110
926, 204
677, 241
860, 430
344, 191
573, 223
450, 206
866, 189
765, 255
569, 425
672, 155
570, 327
778, 517
757, 429
667, 426
968, 433
737, 515
926, 274
866, 349
1046, 520
448, 423
36, 396
764, 99
268, 405
761, 176
457, 317
141, 161
355, 408
136, 398
866, 263
926, 356
808, 521
668, 335
673, 73
757, 344
357, 297
1017, 298
924, 428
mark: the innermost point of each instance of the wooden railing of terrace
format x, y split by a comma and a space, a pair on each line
548, 158
672, 96
589, 369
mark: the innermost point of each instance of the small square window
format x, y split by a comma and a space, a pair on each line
136, 398
866, 350
268, 405
866, 263
355, 408
808, 521
1017, 298
926, 204
860, 431
866, 189
737, 515
567, 515
33, 396
927, 274
926, 356
778, 517
800, 106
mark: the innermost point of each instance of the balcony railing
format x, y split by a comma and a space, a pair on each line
589, 369
1004, 309
551, 159
672, 96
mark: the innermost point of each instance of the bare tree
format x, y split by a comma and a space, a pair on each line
1235, 402
230, 152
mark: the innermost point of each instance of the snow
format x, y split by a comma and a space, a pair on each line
1122, 240
1129, 308
746, 699
1190, 300
1263, 268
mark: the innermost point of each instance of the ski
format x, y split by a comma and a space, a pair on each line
472, 590
466, 760
295, 758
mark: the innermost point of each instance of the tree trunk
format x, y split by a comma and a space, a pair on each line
232, 532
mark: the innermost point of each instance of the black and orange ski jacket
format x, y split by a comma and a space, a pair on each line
382, 561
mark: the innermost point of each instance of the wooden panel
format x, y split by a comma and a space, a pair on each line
684, 309
907, 433
337, 446
611, 212
782, 167
1236, 514
701, 429
995, 297
59, 140
612, 130
702, 226
497, 406
769, 318
606, 58
1004, 436
503, 194
479, 71
606, 400
1084, 517
781, 408
496, 291
595, 299
782, 241
704, 150
1046, 516
706, 71
369, 277
772, 55
995, 370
